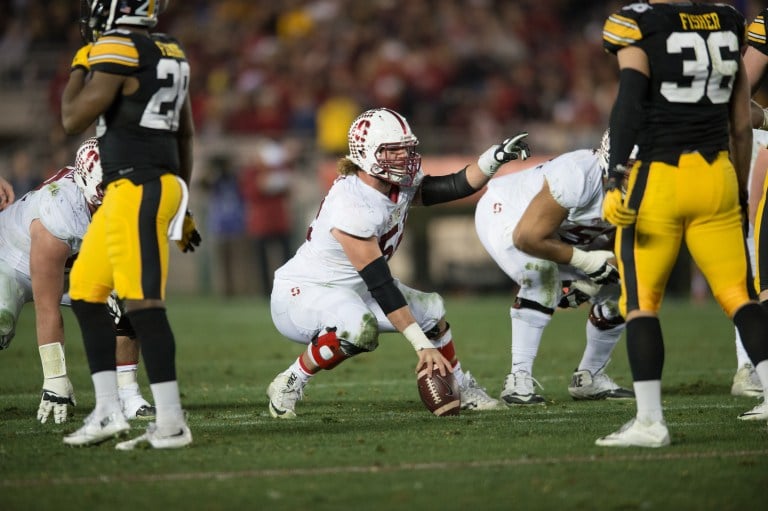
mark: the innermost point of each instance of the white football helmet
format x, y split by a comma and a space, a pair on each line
88, 173
379, 129
604, 151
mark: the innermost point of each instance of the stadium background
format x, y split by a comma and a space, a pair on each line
276, 84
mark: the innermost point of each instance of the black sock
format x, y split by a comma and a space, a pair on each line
645, 348
752, 322
98, 331
158, 346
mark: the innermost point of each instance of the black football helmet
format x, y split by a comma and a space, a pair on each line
98, 16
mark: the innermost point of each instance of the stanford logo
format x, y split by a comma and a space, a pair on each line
361, 130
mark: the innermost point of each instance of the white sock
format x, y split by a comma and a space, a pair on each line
458, 373
525, 345
105, 389
741, 354
648, 399
298, 369
127, 381
600, 344
167, 404
762, 372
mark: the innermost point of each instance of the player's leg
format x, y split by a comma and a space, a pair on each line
334, 323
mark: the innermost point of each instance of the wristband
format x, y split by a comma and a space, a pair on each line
416, 337
579, 259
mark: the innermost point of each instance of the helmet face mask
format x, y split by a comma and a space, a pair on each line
98, 16
382, 144
88, 173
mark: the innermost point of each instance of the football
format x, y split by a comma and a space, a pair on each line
440, 394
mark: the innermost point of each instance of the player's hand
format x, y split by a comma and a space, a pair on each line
577, 292
432, 360
190, 237
596, 264
57, 395
495, 156
80, 59
614, 210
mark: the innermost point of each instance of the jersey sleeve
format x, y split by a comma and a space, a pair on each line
115, 53
357, 218
62, 216
756, 33
570, 181
622, 29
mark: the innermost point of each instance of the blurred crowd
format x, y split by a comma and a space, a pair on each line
296, 72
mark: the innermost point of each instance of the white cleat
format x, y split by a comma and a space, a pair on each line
746, 382
636, 433
758, 413
136, 407
474, 397
587, 386
284, 391
518, 389
170, 438
96, 430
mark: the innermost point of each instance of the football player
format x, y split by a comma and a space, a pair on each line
684, 101
135, 84
337, 294
543, 226
40, 235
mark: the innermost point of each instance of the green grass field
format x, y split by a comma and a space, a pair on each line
364, 441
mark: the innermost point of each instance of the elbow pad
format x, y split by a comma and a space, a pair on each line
437, 189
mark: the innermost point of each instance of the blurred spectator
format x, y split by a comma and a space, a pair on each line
265, 184
226, 222
24, 175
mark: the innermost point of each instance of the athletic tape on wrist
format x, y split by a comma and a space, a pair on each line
52, 358
416, 337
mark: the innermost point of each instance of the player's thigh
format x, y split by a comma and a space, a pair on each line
91, 276
15, 291
302, 311
137, 236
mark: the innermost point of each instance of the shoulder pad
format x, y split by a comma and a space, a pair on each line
622, 28
756, 32
116, 48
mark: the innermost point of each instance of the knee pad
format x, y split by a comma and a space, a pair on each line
605, 316
531, 312
326, 351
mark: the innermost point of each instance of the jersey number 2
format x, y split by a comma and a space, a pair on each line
164, 107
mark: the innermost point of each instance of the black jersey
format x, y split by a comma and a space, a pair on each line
693, 52
138, 132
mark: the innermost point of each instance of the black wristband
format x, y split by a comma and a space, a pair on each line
382, 286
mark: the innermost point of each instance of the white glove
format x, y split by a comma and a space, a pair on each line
57, 394
595, 265
511, 149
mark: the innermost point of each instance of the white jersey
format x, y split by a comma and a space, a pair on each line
59, 205
355, 208
576, 182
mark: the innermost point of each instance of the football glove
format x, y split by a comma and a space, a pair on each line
190, 237
495, 156
80, 59
595, 265
57, 394
577, 292
614, 210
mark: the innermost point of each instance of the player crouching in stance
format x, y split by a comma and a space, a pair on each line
337, 293
40, 235
543, 226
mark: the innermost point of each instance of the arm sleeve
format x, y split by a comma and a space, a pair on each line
626, 115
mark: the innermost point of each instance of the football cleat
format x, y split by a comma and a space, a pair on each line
518, 389
587, 386
637, 433
136, 407
474, 397
758, 413
171, 438
746, 382
283, 392
97, 429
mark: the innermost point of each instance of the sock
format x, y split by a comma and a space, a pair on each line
158, 345
762, 372
525, 345
105, 390
600, 344
98, 334
169, 414
645, 348
301, 370
648, 399
127, 381
742, 358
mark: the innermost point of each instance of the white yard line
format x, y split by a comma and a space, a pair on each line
374, 469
